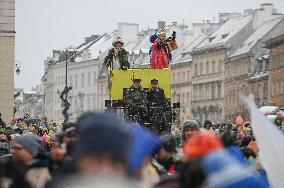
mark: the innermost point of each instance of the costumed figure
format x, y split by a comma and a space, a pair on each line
136, 103
158, 108
65, 103
117, 58
161, 49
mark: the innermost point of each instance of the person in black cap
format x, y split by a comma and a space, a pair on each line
136, 102
165, 162
157, 104
156, 95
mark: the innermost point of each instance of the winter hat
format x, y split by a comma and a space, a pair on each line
145, 144
224, 171
201, 144
169, 143
191, 124
31, 143
103, 133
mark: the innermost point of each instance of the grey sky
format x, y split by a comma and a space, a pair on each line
44, 25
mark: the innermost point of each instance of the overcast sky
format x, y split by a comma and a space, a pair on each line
44, 25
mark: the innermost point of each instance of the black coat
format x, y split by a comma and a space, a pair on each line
156, 97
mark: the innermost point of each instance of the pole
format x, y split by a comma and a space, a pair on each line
66, 61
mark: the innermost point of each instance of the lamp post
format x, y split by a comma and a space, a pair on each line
64, 93
18, 65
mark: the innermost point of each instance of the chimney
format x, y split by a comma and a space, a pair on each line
161, 24
128, 31
248, 12
265, 13
56, 53
267, 6
223, 17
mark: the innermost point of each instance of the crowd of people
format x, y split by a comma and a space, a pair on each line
102, 150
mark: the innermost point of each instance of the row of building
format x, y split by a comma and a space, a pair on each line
214, 64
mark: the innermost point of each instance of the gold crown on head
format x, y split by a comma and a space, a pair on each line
162, 32
117, 40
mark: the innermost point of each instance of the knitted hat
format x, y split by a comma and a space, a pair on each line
169, 143
222, 170
145, 144
31, 143
201, 144
103, 133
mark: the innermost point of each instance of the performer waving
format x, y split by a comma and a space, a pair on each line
161, 50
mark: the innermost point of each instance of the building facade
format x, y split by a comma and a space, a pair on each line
7, 54
246, 71
29, 102
276, 68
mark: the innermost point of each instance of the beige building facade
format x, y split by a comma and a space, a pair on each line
181, 88
208, 86
7, 53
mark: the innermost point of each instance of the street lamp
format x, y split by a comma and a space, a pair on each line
18, 65
64, 93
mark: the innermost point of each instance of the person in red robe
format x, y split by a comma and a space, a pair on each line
161, 53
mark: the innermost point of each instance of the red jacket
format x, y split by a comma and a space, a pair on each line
159, 56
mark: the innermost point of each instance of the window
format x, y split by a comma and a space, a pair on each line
234, 96
71, 80
265, 90
178, 77
200, 91
211, 39
201, 68
76, 80
94, 78
213, 67
282, 86
279, 87
94, 102
76, 104
188, 75
224, 35
206, 91
89, 102
89, 79
187, 99
220, 66
174, 78
219, 89
207, 67
195, 69
82, 80
183, 77
213, 90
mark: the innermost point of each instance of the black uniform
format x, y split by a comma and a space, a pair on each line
157, 107
136, 103
156, 97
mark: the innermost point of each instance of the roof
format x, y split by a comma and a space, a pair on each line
144, 43
259, 33
276, 36
228, 30
93, 50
